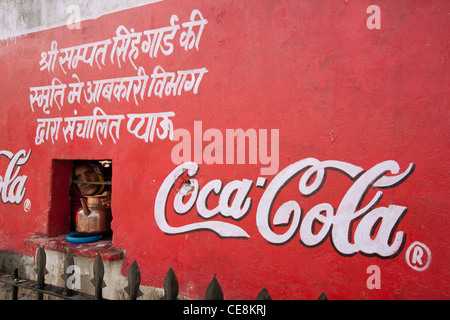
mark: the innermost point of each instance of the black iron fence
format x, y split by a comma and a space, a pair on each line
213, 291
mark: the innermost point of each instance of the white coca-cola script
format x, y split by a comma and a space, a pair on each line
12, 186
234, 202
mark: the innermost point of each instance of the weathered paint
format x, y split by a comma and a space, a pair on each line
356, 101
21, 17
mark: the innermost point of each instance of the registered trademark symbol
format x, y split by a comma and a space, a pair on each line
27, 205
418, 256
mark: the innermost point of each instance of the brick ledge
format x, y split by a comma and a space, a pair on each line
87, 250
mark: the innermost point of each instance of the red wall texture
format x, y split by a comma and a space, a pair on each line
349, 120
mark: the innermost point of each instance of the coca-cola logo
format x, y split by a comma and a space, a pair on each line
12, 185
336, 224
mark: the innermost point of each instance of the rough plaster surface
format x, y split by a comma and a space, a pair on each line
21, 17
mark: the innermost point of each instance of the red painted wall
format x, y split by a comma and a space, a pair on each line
334, 89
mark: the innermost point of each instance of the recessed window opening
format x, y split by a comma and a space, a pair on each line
90, 197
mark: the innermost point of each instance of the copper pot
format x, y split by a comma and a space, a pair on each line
93, 217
